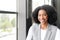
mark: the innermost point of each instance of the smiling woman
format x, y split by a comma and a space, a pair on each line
45, 17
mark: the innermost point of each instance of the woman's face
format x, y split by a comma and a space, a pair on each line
42, 16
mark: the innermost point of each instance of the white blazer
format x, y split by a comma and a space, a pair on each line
34, 33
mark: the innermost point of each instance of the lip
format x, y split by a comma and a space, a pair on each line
42, 20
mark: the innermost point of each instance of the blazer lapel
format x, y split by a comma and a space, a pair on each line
50, 35
39, 33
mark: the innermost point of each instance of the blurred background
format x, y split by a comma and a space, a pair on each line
16, 19
8, 20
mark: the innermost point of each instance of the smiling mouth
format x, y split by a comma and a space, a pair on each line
42, 20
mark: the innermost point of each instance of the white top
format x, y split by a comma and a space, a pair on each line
43, 33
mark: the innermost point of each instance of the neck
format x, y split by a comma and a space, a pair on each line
44, 26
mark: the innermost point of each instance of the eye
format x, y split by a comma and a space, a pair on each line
45, 14
39, 14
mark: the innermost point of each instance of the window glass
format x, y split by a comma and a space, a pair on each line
8, 26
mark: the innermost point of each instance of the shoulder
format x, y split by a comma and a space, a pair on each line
57, 36
34, 27
54, 27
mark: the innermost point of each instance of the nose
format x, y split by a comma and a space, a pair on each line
41, 16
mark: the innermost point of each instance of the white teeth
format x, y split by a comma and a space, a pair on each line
42, 20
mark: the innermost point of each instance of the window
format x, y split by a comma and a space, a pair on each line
8, 5
8, 25
36, 3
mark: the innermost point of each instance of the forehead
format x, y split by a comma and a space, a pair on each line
42, 11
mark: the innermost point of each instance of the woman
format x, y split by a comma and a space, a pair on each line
45, 16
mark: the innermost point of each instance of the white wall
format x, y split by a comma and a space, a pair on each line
8, 5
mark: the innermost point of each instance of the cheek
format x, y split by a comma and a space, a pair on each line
46, 18
38, 17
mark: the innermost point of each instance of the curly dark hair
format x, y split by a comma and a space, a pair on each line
51, 12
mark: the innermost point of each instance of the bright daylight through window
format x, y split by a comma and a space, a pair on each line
8, 26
